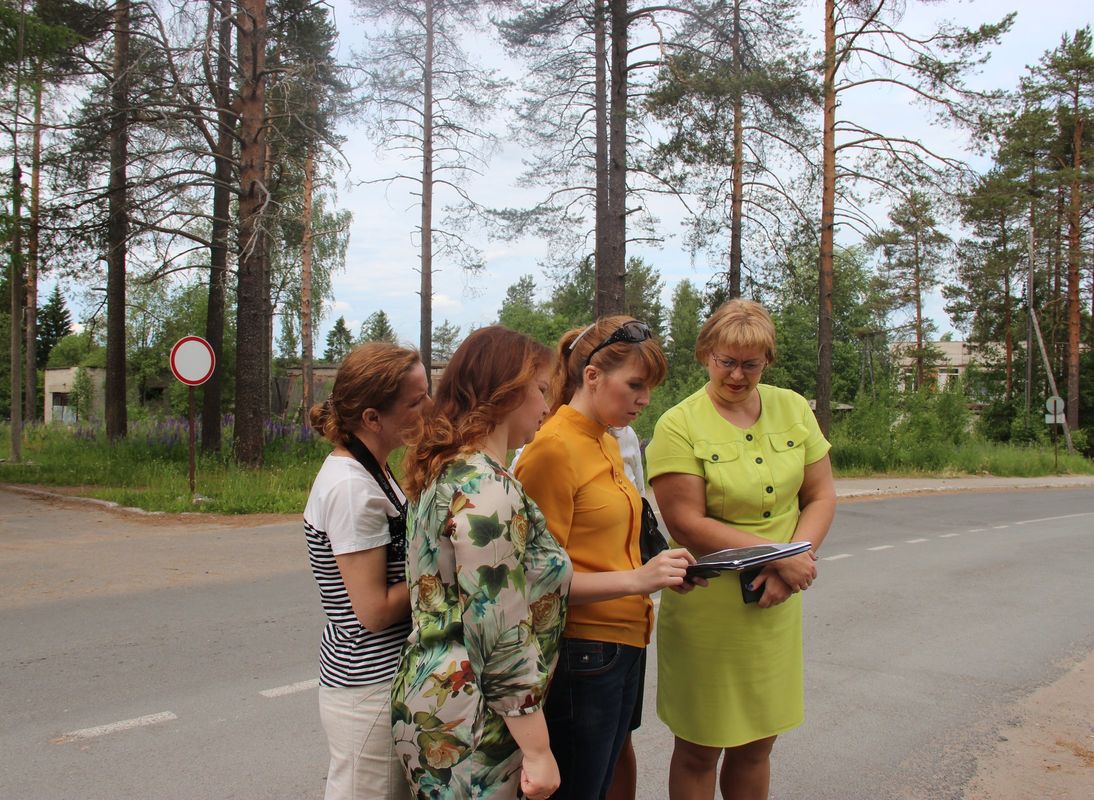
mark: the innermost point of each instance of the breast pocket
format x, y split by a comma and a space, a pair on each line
720, 462
788, 456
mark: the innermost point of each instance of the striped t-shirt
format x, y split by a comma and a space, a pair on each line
347, 511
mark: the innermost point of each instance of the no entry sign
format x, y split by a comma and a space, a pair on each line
192, 360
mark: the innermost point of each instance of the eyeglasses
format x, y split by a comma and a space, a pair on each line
731, 364
633, 332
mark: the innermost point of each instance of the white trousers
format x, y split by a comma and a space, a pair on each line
363, 765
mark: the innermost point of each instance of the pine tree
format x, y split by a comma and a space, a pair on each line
54, 322
339, 342
446, 338
377, 328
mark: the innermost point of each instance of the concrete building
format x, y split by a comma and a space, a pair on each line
954, 360
60, 395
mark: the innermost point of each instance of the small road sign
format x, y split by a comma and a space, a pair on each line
1055, 405
192, 360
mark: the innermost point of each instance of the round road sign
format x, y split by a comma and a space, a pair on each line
1054, 405
192, 360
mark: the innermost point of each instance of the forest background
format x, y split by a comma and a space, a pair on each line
256, 172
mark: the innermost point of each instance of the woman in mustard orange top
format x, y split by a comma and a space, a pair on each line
574, 472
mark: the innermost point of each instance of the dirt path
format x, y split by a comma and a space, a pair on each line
1046, 749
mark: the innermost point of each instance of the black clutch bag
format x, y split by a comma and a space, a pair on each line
650, 540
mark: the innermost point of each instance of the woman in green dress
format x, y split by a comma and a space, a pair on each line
735, 464
488, 584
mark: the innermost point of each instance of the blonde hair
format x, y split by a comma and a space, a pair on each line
577, 344
737, 324
370, 377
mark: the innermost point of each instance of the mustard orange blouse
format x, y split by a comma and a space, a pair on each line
574, 472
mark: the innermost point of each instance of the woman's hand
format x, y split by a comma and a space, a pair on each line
667, 568
776, 590
539, 776
798, 572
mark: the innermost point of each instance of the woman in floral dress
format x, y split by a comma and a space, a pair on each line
488, 584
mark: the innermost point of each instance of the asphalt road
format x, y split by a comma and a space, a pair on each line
155, 658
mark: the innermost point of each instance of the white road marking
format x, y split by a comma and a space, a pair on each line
999, 527
117, 727
1049, 519
292, 688
976, 530
882, 547
949, 535
914, 541
836, 557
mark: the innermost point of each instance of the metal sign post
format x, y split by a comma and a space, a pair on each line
192, 362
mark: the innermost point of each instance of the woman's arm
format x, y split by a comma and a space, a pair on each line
666, 569
539, 775
376, 604
817, 501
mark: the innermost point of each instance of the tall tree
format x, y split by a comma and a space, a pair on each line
117, 233
217, 69
982, 299
1064, 78
54, 323
446, 338
377, 328
913, 252
580, 93
864, 46
253, 304
427, 99
735, 95
339, 342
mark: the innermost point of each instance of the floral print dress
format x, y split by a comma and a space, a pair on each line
488, 586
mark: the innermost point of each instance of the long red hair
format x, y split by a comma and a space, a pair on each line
485, 380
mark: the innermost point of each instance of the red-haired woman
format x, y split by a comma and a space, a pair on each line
574, 471
488, 584
355, 521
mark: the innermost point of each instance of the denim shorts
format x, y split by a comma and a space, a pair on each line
589, 709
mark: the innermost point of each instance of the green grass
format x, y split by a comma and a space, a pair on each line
149, 469
976, 457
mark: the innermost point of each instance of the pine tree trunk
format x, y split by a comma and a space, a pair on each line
825, 280
737, 200
1074, 319
600, 104
15, 288
917, 288
426, 333
1008, 311
305, 282
117, 230
252, 371
30, 393
617, 162
213, 389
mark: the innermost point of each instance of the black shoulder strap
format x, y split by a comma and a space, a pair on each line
367, 460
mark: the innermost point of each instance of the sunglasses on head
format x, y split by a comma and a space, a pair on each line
632, 332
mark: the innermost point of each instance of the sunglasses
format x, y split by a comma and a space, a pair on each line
632, 332
731, 364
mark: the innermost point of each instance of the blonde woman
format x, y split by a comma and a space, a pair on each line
737, 463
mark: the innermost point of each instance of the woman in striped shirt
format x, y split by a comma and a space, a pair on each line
355, 521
